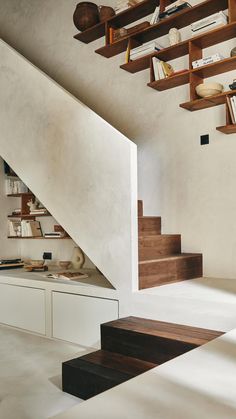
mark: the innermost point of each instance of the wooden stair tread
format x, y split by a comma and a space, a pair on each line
118, 362
171, 331
170, 257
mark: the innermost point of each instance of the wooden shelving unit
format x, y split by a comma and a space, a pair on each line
25, 215
192, 47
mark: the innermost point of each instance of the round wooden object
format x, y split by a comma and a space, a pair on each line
86, 15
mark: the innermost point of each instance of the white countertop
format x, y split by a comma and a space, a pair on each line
198, 384
95, 284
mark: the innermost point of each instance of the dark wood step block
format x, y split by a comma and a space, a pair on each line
149, 225
99, 371
169, 269
152, 247
152, 340
140, 208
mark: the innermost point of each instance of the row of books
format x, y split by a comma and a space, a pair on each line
175, 7
31, 228
161, 69
232, 108
39, 211
208, 23
13, 186
24, 228
144, 49
208, 60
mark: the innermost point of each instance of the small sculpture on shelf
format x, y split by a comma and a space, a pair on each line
78, 258
174, 36
32, 204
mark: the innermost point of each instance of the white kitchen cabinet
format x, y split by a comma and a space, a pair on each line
77, 318
23, 307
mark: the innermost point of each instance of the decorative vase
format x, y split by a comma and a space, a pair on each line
85, 15
78, 258
233, 52
105, 12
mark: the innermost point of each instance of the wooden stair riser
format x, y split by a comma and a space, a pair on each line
84, 380
99, 371
169, 270
154, 246
140, 208
149, 348
149, 226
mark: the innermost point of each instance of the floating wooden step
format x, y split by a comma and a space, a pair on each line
98, 371
168, 269
151, 340
149, 225
151, 247
140, 208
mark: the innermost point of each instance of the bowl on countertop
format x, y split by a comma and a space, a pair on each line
36, 263
209, 89
64, 264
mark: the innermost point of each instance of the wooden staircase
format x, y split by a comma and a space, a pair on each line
160, 258
129, 347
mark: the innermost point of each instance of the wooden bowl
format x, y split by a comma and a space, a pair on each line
64, 264
86, 15
37, 263
209, 89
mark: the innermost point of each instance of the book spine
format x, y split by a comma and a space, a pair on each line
230, 110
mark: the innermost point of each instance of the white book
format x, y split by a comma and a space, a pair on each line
208, 20
155, 62
152, 44
154, 16
208, 28
141, 54
161, 71
233, 102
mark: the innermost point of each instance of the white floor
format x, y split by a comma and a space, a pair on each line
30, 375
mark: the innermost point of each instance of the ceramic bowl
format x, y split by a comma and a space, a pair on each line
64, 264
37, 263
209, 89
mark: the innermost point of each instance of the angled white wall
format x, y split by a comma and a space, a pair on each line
81, 168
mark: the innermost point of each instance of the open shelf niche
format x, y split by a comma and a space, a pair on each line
192, 47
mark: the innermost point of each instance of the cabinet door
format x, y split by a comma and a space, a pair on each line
23, 307
77, 318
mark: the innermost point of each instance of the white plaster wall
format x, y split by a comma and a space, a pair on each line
191, 187
80, 168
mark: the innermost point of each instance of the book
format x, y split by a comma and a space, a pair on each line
167, 68
155, 62
155, 16
230, 110
233, 104
208, 60
71, 276
216, 17
127, 54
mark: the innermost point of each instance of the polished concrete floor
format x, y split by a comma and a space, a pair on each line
30, 381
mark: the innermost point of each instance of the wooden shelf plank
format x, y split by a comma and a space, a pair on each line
91, 34
19, 195
126, 17
170, 82
205, 40
219, 67
227, 129
207, 102
28, 216
178, 20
